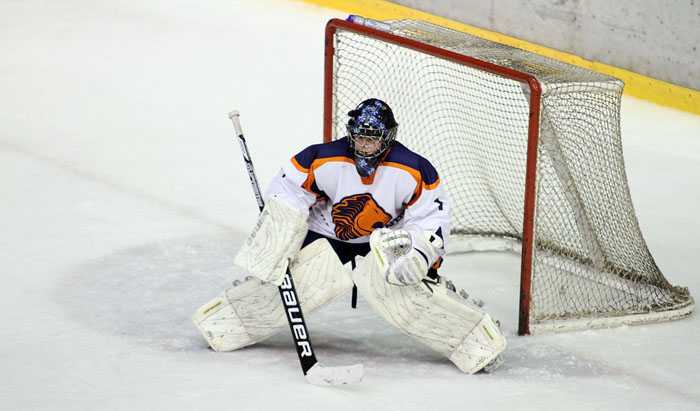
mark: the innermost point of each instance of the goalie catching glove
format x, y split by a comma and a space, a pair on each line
274, 242
405, 255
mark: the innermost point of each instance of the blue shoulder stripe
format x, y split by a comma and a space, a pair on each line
337, 148
402, 155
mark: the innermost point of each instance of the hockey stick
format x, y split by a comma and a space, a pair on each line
315, 373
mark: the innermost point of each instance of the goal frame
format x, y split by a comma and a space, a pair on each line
533, 131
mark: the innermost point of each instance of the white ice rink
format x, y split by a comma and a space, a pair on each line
123, 199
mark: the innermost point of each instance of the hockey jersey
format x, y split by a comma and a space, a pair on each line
403, 191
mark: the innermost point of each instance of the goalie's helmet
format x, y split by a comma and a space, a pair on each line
371, 131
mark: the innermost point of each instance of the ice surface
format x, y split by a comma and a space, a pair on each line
123, 199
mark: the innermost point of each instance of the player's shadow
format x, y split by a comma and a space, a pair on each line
150, 292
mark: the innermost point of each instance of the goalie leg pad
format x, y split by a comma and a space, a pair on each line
482, 345
433, 314
253, 311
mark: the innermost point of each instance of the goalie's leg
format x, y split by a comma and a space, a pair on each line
252, 310
432, 313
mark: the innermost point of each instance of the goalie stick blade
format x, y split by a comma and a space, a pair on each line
331, 376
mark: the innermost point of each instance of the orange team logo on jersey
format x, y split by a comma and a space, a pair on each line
358, 215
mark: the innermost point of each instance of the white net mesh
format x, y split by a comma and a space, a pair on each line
591, 266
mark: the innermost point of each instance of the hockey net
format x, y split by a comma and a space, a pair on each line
529, 151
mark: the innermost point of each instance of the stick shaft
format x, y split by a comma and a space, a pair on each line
288, 292
235, 118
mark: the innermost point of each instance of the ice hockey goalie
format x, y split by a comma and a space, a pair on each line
363, 210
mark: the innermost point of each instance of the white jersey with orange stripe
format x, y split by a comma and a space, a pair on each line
403, 192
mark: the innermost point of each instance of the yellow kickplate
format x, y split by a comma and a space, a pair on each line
487, 332
212, 307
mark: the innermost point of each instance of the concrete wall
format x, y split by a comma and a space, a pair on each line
656, 38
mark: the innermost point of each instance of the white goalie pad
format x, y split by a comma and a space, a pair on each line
253, 311
434, 315
275, 240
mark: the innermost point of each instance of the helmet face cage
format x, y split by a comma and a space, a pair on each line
372, 120
385, 138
